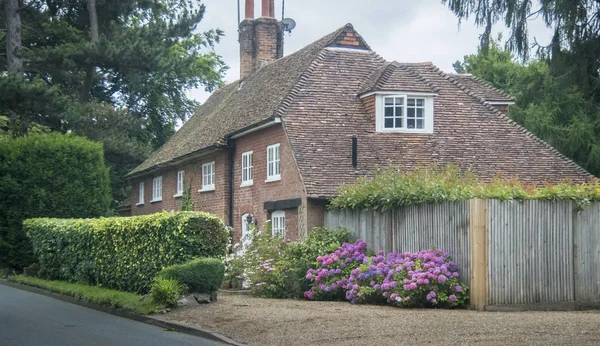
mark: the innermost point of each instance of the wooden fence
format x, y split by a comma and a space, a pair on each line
513, 255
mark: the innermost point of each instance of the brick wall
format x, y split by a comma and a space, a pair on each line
251, 199
213, 202
261, 42
315, 214
248, 199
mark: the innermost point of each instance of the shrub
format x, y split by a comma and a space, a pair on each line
165, 291
423, 279
123, 253
329, 280
275, 268
392, 189
202, 275
47, 175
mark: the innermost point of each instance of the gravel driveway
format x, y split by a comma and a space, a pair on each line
256, 321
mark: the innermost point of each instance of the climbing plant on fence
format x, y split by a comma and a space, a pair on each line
124, 253
390, 189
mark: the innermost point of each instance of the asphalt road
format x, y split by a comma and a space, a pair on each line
31, 319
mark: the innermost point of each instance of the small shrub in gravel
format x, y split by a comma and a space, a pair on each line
202, 275
165, 291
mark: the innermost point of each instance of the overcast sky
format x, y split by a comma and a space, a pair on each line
401, 30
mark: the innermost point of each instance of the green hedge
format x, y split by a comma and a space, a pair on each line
202, 275
436, 184
47, 175
124, 253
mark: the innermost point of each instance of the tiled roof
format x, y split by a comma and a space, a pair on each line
316, 92
481, 88
327, 113
240, 104
394, 76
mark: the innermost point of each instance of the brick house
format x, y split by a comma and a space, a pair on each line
279, 142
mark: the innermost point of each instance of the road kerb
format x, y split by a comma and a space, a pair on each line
179, 327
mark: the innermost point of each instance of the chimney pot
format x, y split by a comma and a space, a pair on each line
249, 9
265, 8
272, 8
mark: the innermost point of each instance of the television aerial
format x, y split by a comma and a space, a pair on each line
288, 24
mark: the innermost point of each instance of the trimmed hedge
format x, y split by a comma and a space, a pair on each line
47, 175
123, 253
202, 275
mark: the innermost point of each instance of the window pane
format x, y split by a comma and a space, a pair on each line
399, 112
421, 102
389, 101
411, 102
389, 123
420, 124
410, 123
399, 122
410, 112
389, 111
399, 101
420, 112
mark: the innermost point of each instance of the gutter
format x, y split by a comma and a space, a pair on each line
179, 160
255, 127
272, 121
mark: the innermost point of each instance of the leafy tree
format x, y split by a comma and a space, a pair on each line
575, 48
551, 105
115, 71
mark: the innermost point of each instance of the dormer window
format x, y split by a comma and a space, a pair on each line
404, 113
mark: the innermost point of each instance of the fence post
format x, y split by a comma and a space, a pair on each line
478, 253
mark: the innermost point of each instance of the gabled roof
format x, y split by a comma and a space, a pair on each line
316, 92
482, 88
468, 131
394, 76
245, 102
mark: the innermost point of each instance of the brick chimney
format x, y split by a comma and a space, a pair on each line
261, 39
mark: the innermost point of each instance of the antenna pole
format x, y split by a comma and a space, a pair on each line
238, 3
282, 9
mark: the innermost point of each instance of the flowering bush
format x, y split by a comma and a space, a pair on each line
331, 277
273, 268
426, 278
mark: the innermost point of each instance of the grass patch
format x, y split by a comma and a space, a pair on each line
98, 295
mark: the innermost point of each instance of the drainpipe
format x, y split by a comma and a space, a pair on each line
231, 156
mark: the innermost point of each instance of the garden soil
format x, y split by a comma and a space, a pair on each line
256, 321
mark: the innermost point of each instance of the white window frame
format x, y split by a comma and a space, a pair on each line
179, 186
278, 223
428, 110
247, 169
208, 177
156, 189
140, 193
273, 163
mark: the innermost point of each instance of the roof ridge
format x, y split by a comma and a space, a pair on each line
484, 82
385, 75
427, 81
504, 116
489, 84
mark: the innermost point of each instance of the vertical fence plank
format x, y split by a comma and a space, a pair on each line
538, 251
